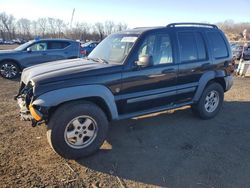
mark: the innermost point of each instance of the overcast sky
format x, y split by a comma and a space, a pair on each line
133, 12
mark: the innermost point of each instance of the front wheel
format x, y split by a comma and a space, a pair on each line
9, 70
210, 101
77, 132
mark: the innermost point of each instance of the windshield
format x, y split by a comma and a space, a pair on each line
24, 46
114, 49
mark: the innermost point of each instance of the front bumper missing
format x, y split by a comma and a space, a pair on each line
29, 114
24, 111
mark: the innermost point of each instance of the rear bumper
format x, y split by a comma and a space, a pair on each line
229, 82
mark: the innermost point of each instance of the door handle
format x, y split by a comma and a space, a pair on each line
168, 70
205, 65
44, 53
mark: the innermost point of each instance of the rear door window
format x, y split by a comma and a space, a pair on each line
188, 50
56, 45
202, 55
219, 47
192, 47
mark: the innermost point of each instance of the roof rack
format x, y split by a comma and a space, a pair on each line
192, 24
147, 27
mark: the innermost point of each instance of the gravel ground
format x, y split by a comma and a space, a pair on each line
170, 149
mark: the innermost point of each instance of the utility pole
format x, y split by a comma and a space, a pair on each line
72, 17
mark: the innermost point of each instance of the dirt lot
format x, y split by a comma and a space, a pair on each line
172, 149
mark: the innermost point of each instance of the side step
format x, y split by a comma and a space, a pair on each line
153, 110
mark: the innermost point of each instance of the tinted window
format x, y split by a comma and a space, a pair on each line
219, 47
201, 47
188, 49
57, 45
192, 46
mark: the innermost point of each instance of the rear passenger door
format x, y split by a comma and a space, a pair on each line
193, 62
57, 50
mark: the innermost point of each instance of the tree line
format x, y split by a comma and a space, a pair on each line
12, 28
233, 30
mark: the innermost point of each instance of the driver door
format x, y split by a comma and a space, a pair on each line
36, 54
153, 86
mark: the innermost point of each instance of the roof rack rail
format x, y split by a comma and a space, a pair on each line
192, 24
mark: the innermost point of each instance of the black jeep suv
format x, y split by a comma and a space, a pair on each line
129, 74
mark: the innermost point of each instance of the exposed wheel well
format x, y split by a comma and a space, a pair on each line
219, 80
96, 100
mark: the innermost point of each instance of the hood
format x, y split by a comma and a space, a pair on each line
59, 70
8, 51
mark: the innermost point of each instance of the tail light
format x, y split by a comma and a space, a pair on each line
83, 52
230, 66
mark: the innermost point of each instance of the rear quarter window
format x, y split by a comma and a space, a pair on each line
218, 44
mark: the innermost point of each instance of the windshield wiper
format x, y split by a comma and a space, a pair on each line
102, 60
98, 60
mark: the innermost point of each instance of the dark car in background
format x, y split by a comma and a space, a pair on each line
246, 52
87, 47
34, 52
237, 52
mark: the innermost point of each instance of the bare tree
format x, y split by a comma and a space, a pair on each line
24, 27
52, 27
120, 27
7, 22
59, 27
34, 28
2, 30
100, 29
42, 24
109, 27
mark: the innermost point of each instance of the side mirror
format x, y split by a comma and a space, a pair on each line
144, 61
28, 49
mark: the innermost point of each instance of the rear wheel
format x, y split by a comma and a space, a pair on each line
9, 70
77, 132
210, 101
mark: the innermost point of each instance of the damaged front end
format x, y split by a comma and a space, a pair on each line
29, 112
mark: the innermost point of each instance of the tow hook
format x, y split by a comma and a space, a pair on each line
35, 123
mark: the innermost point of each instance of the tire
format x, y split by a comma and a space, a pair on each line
77, 129
208, 106
9, 70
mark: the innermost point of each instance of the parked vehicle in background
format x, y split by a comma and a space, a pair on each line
129, 74
9, 42
34, 52
246, 52
237, 51
87, 47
